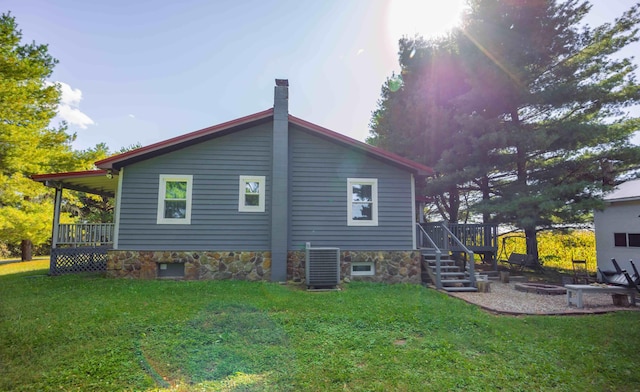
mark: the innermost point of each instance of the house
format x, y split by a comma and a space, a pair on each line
242, 199
617, 227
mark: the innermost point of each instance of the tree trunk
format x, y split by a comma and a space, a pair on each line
484, 188
532, 242
454, 204
25, 249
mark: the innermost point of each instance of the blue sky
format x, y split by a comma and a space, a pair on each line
144, 71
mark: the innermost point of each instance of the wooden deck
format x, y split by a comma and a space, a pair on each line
81, 247
482, 239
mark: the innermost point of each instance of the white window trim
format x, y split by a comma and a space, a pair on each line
164, 178
371, 272
374, 196
242, 207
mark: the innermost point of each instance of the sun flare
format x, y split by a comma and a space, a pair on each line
428, 18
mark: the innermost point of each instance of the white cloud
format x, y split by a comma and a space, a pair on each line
69, 108
132, 116
74, 116
360, 51
70, 96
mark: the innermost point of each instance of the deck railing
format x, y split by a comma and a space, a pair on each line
477, 236
440, 237
85, 234
471, 261
425, 241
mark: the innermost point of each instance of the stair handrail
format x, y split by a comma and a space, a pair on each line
438, 256
472, 260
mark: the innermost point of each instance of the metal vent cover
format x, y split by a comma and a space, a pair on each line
322, 267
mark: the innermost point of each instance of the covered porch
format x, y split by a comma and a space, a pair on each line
80, 247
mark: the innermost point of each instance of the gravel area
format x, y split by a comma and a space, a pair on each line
504, 298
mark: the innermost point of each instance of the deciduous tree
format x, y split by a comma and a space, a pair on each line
28, 143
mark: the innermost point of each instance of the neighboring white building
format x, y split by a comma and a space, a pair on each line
617, 227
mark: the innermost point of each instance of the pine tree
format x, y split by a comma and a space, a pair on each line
416, 114
533, 120
556, 94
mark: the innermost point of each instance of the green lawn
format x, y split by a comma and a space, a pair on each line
87, 333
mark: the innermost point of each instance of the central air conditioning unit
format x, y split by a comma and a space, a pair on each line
322, 267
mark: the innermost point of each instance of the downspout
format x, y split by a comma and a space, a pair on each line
280, 182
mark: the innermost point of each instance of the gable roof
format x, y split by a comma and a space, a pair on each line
627, 191
117, 161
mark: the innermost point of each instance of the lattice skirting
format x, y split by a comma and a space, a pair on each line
76, 260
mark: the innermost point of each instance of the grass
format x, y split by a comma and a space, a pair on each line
12, 266
88, 333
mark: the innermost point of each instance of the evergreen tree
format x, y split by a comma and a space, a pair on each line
416, 114
535, 118
556, 94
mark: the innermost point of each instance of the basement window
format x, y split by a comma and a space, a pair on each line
170, 270
362, 269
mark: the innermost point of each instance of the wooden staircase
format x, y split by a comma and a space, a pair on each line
453, 279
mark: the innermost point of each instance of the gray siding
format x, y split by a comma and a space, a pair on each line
215, 221
318, 203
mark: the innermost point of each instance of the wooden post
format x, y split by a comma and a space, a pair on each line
504, 276
484, 286
620, 300
56, 217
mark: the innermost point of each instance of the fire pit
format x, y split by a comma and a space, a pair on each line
539, 288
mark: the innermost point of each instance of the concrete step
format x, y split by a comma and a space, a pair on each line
447, 268
455, 281
460, 289
432, 263
458, 273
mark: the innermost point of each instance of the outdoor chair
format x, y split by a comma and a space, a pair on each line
580, 272
621, 277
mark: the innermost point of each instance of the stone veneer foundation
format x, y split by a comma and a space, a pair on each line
198, 265
390, 266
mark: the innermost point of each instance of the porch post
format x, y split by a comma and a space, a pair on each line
56, 217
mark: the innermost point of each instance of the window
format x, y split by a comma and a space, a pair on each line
174, 199
631, 240
362, 207
634, 240
620, 239
362, 269
251, 194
